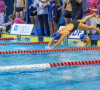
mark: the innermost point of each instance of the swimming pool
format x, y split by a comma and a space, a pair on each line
81, 77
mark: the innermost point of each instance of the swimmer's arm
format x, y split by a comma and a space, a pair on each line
59, 41
44, 1
51, 42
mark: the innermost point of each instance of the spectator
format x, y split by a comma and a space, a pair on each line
77, 10
2, 11
19, 6
53, 14
67, 11
13, 20
59, 11
33, 12
42, 12
98, 10
90, 6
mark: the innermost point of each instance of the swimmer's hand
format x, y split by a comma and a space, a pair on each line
47, 47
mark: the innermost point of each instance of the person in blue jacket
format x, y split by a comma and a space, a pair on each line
54, 5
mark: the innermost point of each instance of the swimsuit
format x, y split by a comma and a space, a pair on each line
75, 23
18, 9
67, 14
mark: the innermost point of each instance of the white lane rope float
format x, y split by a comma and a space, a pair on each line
48, 65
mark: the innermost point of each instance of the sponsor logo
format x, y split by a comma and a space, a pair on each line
76, 32
26, 39
16, 28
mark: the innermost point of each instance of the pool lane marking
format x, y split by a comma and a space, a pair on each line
49, 65
50, 50
27, 43
34, 66
7, 39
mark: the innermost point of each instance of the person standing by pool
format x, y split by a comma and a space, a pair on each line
2, 11
77, 10
71, 27
42, 12
90, 6
20, 8
67, 9
33, 12
52, 14
59, 12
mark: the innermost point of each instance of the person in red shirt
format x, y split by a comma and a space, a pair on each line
90, 6
13, 20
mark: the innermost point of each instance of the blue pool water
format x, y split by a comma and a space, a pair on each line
59, 78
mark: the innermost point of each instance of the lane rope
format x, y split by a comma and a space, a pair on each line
49, 65
7, 38
27, 43
50, 50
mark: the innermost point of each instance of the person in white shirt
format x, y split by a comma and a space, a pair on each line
42, 12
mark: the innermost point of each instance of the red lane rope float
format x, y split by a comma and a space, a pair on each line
27, 43
50, 50
49, 65
7, 38
75, 63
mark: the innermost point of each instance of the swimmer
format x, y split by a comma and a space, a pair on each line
71, 27
84, 40
20, 8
